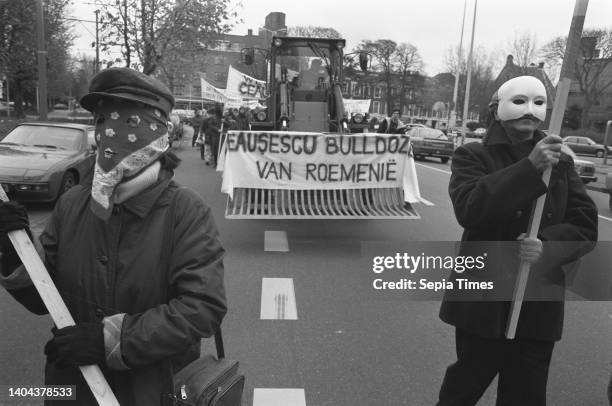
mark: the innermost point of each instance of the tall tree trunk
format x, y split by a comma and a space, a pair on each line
585, 121
18, 99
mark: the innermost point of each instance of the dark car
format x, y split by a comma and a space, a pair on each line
585, 145
40, 161
431, 142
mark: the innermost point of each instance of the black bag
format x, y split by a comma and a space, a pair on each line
209, 381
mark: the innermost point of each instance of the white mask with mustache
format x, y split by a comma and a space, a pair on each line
522, 96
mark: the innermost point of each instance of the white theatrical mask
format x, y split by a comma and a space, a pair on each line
521, 96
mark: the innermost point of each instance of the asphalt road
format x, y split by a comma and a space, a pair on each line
343, 349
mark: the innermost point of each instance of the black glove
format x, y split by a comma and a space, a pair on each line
82, 344
13, 216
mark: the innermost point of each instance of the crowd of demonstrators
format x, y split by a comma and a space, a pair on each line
493, 186
139, 315
214, 128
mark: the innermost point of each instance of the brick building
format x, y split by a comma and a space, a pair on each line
226, 51
372, 85
599, 63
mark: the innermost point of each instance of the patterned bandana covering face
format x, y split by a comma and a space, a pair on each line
522, 96
130, 137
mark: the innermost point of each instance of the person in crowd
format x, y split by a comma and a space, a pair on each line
141, 305
313, 77
242, 120
187, 130
211, 128
373, 125
493, 187
196, 123
393, 124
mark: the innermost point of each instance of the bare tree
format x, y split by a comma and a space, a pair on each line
312, 31
485, 67
523, 48
588, 70
151, 29
383, 52
408, 63
18, 49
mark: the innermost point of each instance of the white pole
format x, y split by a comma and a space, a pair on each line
453, 117
466, 101
562, 91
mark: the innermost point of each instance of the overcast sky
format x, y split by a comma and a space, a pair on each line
433, 26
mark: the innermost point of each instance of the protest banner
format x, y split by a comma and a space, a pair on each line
315, 161
209, 92
244, 85
356, 106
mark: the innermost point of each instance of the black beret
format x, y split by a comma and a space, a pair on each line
128, 84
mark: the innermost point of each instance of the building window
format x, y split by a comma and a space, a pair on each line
345, 87
179, 89
358, 89
376, 107
377, 92
219, 77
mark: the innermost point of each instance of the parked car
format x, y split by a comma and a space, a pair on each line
585, 145
431, 142
584, 168
415, 125
479, 132
40, 161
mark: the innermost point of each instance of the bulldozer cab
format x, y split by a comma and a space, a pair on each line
304, 84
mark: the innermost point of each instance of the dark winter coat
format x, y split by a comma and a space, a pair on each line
492, 187
211, 129
107, 269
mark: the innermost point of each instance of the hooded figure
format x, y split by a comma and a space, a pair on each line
131, 115
135, 257
493, 186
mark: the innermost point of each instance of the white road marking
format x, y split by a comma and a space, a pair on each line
278, 299
449, 173
604, 217
276, 241
435, 169
278, 397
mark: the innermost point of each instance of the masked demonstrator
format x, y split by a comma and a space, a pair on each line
135, 257
493, 187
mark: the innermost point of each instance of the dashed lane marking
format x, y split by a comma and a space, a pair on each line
435, 169
278, 299
278, 397
276, 241
604, 217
